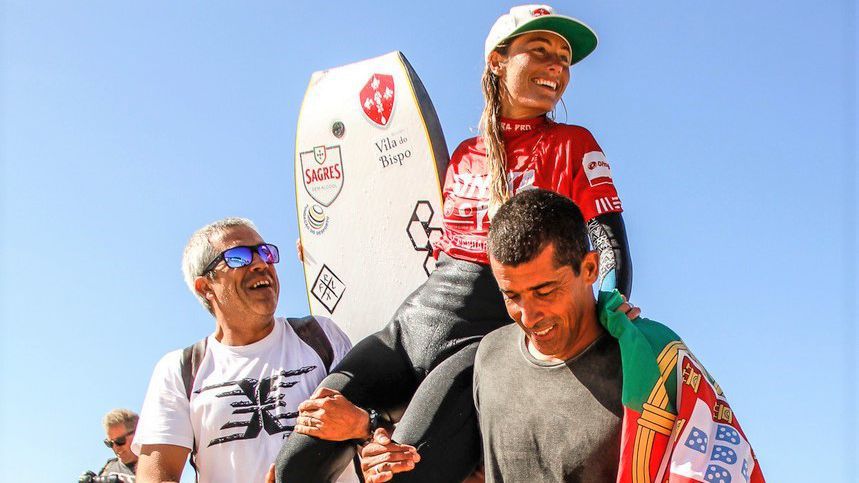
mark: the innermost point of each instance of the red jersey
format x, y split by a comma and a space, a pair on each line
540, 154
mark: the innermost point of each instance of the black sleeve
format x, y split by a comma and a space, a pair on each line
608, 236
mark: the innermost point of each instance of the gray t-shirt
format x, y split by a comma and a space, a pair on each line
115, 466
548, 422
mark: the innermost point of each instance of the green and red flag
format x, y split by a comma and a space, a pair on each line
677, 425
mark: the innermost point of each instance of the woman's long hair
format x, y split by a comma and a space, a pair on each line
490, 132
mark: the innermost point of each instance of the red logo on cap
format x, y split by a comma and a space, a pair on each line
377, 98
539, 12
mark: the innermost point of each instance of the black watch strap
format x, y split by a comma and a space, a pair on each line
376, 420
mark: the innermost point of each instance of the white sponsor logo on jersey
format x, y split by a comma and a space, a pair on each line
596, 168
467, 185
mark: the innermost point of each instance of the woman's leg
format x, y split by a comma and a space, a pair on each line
441, 423
432, 335
374, 374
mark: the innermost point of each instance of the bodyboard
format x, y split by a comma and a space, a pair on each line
369, 159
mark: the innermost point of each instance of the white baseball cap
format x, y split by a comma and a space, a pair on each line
533, 18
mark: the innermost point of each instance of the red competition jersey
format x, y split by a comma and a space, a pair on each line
540, 154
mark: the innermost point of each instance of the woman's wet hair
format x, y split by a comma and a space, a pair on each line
490, 132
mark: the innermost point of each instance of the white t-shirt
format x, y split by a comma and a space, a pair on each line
243, 403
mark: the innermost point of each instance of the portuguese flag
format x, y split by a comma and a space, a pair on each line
677, 425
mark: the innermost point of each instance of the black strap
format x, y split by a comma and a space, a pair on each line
189, 365
309, 331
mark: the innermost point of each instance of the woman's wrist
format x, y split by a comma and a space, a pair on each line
375, 420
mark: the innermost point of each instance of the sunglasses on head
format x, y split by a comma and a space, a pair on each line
110, 443
243, 256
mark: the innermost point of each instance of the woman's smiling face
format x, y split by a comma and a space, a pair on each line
534, 73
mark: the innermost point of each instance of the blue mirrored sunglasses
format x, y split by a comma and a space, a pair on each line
243, 256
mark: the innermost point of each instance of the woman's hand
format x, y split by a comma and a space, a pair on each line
299, 249
330, 416
632, 312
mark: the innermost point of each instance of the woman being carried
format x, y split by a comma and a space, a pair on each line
423, 358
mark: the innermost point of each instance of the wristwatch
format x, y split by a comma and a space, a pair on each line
376, 420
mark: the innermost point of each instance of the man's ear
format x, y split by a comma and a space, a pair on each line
590, 267
497, 62
203, 286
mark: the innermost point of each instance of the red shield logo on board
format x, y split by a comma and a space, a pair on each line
539, 12
377, 98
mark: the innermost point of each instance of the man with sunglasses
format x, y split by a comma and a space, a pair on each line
231, 405
119, 426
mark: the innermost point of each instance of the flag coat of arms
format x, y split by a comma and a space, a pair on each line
677, 424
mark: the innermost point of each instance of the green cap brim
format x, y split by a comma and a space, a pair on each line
582, 39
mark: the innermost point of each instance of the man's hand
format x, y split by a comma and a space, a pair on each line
632, 312
381, 458
269, 476
330, 416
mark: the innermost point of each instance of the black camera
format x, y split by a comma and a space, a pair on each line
90, 477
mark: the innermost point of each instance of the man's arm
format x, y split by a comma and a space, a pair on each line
161, 463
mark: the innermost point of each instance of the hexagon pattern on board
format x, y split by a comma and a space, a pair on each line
422, 234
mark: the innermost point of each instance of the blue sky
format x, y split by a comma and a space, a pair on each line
730, 126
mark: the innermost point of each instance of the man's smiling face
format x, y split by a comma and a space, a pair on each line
552, 304
245, 291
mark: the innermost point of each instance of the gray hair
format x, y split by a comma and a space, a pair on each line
199, 251
125, 417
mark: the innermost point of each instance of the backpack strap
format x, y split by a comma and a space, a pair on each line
188, 366
309, 331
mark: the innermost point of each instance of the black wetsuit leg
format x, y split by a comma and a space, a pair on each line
439, 322
374, 374
441, 423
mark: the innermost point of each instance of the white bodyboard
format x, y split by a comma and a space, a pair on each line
369, 158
